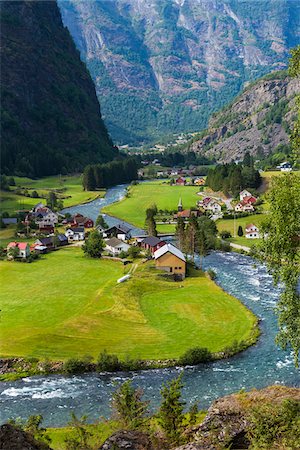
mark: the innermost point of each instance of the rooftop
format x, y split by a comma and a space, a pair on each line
169, 248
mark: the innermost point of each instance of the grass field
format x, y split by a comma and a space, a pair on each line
67, 305
71, 185
143, 195
228, 225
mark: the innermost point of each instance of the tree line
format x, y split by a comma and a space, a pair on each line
109, 174
232, 178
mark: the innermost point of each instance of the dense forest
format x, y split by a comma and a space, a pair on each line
51, 121
106, 175
232, 178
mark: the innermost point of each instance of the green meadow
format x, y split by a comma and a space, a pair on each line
70, 188
67, 305
132, 209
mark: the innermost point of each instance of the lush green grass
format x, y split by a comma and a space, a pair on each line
228, 224
143, 195
71, 185
67, 305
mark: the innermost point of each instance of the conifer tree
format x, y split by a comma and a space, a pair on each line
129, 408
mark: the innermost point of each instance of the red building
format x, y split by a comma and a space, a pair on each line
152, 243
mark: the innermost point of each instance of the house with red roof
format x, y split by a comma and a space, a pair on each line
22, 247
180, 181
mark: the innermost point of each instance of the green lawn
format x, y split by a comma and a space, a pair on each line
67, 305
72, 186
228, 224
143, 195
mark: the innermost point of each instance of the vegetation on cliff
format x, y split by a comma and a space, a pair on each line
51, 121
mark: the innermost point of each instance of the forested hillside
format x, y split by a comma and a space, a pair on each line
163, 66
258, 121
51, 121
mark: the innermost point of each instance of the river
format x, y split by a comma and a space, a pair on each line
263, 364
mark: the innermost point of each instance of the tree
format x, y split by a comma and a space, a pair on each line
129, 408
202, 245
79, 438
170, 415
180, 232
89, 182
134, 251
94, 245
240, 231
100, 221
151, 226
52, 200
33, 426
294, 71
280, 250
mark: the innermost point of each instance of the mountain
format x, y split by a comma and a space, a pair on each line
163, 66
51, 121
258, 121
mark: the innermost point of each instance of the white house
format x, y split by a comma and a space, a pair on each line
252, 232
23, 248
244, 194
75, 234
244, 207
115, 246
285, 167
214, 207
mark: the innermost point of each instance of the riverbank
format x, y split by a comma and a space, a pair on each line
147, 322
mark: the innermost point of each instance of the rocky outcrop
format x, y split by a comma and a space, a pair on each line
258, 121
12, 438
163, 66
50, 118
129, 440
226, 422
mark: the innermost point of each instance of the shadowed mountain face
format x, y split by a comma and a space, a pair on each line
51, 121
162, 66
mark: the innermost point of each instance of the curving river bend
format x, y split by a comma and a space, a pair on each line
263, 364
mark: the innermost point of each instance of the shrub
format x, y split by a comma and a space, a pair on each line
108, 363
129, 408
74, 365
212, 274
225, 234
195, 356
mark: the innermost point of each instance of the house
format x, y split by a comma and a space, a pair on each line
244, 194
38, 248
48, 229
47, 242
152, 243
23, 248
115, 246
252, 232
199, 182
75, 234
180, 181
62, 239
43, 217
214, 207
170, 259
81, 221
249, 200
119, 231
285, 167
244, 207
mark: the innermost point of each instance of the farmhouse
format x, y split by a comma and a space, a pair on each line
170, 259
23, 248
152, 243
244, 194
180, 181
252, 232
75, 234
47, 242
119, 231
115, 246
81, 221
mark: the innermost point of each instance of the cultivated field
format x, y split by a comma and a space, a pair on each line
66, 305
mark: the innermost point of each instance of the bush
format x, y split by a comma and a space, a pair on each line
108, 363
74, 365
195, 356
225, 234
212, 274
240, 231
235, 347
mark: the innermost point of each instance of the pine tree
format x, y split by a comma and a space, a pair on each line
89, 182
180, 233
170, 415
240, 231
202, 245
129, 408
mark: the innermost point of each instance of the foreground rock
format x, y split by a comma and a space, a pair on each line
131, 440
12, 438
226, 422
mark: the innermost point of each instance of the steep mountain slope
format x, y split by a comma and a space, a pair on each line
258, 120
51, 121
164, 65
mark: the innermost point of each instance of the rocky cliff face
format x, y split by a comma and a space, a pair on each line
164, 65
51, 121
258, 121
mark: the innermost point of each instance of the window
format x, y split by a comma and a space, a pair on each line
179, 268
